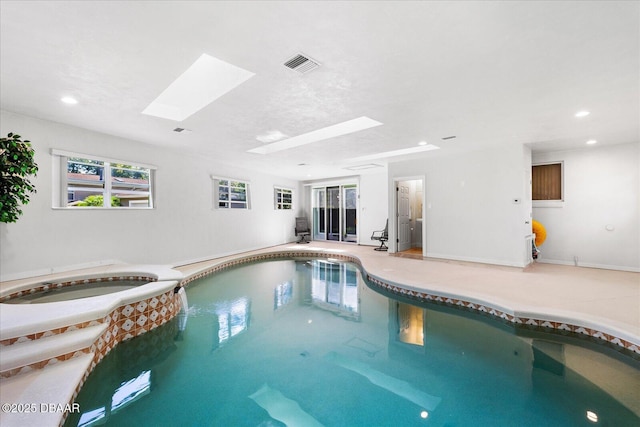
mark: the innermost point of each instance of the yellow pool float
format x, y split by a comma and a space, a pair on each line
540, 232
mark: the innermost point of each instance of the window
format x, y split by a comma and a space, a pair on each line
92, 182
283, 198
230, 194
546, 182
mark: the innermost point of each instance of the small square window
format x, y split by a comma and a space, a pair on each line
546, 182
283, 198
231, 194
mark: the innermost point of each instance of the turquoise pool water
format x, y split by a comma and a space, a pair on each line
308, 343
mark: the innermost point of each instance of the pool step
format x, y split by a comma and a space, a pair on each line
43, 395
21, 357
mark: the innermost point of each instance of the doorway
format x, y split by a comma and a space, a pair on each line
335, 213
410, 217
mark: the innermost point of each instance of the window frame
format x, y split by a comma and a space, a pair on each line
278, 198
60, 196
549, 203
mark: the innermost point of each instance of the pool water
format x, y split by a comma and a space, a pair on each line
308, 343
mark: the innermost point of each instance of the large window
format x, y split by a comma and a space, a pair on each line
283, 198
546, 182
231, 194
92, 182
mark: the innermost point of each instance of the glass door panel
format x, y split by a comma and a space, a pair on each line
319, 229
333, 213
350, 201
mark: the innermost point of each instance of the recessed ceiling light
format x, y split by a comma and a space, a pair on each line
582, 114
344, 128
69, 100
422, 143
203, 82
592, 141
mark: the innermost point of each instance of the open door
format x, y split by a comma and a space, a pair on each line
409, 224
404, 216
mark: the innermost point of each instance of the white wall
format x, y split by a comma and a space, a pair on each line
182, 228
373, 206
469, 204
601, 187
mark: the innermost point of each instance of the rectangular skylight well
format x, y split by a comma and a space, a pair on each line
271, 136
363, 167
394, 153
344, 128
202, 83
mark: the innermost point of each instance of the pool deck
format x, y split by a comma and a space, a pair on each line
606, 299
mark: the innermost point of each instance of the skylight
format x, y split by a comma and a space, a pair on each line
271, 136
344, 128
363, 167
394, 153
205, 81
69, 100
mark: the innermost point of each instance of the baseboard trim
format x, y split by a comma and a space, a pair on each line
590, 265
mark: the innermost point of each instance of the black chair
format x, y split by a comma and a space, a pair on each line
382, 236
302, 230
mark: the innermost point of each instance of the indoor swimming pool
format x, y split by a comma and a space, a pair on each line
309, 343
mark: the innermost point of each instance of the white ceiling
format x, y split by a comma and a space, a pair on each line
490, 73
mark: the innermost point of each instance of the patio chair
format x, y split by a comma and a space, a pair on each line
302, 229
382, 236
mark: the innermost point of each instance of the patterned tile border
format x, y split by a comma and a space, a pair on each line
268, 256
498, 314
123, 323
45, 286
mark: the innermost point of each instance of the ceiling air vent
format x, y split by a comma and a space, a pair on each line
302, 64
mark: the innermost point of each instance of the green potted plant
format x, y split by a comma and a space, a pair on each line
16, 168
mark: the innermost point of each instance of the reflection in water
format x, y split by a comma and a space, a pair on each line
410, 321
126, 394
334, 287
282, 295
287, 349
232, 318
131, 391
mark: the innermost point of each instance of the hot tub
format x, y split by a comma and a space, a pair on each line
66, 291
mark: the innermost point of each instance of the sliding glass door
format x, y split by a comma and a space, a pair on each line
335, 213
